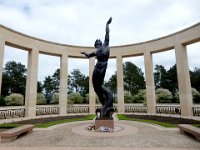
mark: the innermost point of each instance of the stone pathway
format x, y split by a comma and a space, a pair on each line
127, 135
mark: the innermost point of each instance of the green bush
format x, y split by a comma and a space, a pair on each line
55, 98
75, 98
128, 98
14, 99
2, 101
195, 96
140, 97
163, 96
86, 99
41, 99
175, 99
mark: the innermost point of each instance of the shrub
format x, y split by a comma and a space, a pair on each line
86, 99
140, 97
163, 96
195, 96
75, 98
41, 99
2, 101
14, 99
176, 99
128, 98
55, 98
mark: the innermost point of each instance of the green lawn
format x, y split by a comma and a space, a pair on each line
164, 124
45, 125
48, 124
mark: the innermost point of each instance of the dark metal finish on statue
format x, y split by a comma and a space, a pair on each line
102, 54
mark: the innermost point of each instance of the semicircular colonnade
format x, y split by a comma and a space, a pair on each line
35, 46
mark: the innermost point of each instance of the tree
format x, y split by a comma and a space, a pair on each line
70, 85
133, 78
56, 80
112, 83
14, 78
39, 87
79, 82
159, 76
166, 79
172, 81
48, 88
195, 78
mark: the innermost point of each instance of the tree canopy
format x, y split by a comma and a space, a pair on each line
14, 81
14, 78
133, 78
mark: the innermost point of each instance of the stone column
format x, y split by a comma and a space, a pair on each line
184, 85
2, 46
63, 85
92, 95
31, 83
150, 86
120, 85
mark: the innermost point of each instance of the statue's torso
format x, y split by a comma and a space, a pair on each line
102, 54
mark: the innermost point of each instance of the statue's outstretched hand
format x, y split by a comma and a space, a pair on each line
109, 21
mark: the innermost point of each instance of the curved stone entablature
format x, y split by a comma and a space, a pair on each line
177, 41
23, 41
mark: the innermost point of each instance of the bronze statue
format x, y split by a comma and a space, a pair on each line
102, 54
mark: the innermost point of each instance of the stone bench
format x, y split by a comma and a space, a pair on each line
189, 129
11, 134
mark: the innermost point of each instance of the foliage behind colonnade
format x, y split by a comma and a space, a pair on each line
14, 81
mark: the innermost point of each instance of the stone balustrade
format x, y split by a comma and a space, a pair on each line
19, 111
196, 110
168, 109
47, 110
135, 108
12, 112
75, 108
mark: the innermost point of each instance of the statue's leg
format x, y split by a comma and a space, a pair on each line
108, 103
97, 84
109, 97
99, 93
105, 96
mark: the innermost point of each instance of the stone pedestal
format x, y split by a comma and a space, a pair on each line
104, 122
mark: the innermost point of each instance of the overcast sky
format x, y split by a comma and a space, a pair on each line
81, 22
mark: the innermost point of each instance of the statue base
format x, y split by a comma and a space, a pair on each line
103, 122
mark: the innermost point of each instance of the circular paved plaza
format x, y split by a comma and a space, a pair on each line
127, 135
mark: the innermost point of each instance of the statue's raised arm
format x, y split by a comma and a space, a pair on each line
106, 41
